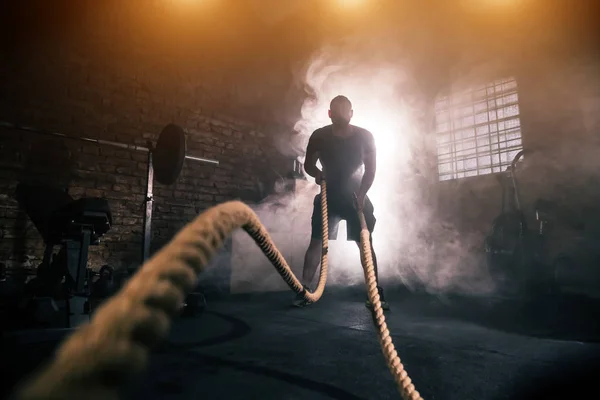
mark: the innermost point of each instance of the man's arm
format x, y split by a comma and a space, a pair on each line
310, 161
370, 161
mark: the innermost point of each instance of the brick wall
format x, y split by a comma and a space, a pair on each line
102, 81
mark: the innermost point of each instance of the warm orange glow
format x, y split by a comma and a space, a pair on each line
493, 4
351, 3
192, 3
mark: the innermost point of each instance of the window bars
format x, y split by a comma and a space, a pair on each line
478, 131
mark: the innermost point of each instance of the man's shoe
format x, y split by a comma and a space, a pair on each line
300, 301
384, 304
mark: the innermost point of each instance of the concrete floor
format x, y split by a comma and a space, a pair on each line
256, 346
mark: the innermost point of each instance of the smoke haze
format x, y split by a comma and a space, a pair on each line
412, 246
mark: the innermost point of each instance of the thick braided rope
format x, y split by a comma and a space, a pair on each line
99, 357
97, 360
325, 244
403, 381
260, 235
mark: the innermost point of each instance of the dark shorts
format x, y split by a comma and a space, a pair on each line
341, 209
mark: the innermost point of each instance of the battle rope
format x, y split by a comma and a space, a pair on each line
96, 360
403, 381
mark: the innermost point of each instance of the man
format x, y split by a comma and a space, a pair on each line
342, 150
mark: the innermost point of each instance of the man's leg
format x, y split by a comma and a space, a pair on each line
311, 263
312, 258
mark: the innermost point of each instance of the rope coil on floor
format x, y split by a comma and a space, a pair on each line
98, 358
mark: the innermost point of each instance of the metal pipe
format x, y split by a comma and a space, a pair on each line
514, 178
206, 160
10, 125
147, 238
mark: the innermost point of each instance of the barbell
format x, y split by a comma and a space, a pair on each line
165, 160
168, 153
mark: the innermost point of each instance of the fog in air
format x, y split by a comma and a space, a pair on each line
413, 247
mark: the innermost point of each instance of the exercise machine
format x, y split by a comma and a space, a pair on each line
72, 224
516, 252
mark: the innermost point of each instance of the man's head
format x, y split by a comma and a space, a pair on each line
340, 111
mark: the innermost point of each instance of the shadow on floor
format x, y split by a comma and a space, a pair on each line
179, 367
21, 359
567, 378
569, 369
560, 317
567, 317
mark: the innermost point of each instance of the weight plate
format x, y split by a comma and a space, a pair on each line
168, 154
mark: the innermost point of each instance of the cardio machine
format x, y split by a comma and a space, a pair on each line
515, 252
72, 224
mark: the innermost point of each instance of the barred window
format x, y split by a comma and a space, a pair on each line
478, 131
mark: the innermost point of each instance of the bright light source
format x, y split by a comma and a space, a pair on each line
351, 3
376, 108
483, 5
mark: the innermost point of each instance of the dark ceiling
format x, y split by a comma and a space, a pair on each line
234, 29
251, 39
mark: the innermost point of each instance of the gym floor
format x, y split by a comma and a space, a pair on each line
257, 346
